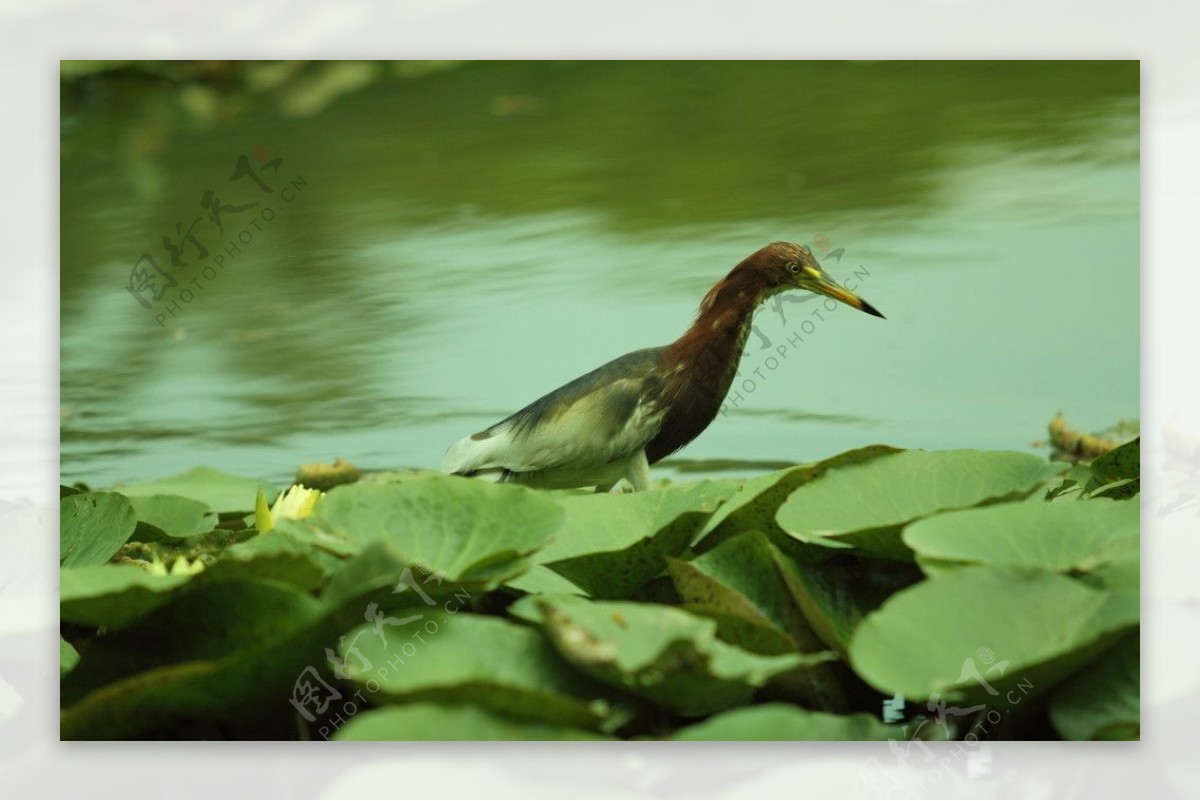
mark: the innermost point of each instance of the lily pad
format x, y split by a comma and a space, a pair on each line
173, 515
1060, 537
865, 505
117, 595
113, 596
207, 623
234, 652
541, 580
1102, 702
437, 722
1117, 473
279, 556
68, 657
753, 506
470, 531
1123, 576
610, 545
1069, 486
311, 533
440, 607
740, 585
1124, 461
835, 594
758, 625
92, 527
663, 654
462, 658
381, 576
774, 722
221, 492
935, 637
741, 579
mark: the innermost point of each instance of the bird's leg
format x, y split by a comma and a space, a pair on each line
638, 472
602, 488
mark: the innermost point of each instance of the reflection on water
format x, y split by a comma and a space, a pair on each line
468, 237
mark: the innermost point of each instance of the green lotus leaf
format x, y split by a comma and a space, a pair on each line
1060, 537
465, 530
836, 593
745, 586
1116, 474
173, 516
938, 636
610, 545
542, 580
663, 654
92, 527
436, 722
768, 722
68, 657
112, 595
754, 504
865, 505
233, 653
455, 657
221, 492
1102, 701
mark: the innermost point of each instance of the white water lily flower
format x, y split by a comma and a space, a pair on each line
295, 502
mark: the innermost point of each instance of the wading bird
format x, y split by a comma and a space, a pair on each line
619, 419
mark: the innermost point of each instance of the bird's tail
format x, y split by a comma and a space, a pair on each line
473, 456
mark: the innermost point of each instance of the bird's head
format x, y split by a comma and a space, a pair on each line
781, 266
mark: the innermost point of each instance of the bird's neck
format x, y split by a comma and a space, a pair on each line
712, 347
701, 364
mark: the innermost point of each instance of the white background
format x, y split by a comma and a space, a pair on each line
35, 34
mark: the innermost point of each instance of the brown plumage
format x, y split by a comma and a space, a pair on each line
615, 421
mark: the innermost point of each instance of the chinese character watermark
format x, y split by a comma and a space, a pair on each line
165, 290
315, 699
774, 355
893, 709
915, 759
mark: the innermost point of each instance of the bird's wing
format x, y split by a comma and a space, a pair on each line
600, 417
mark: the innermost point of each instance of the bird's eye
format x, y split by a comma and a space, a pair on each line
793, 267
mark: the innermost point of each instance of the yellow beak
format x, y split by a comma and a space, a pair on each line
823, 284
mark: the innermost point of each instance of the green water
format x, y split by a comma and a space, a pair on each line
459, 242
